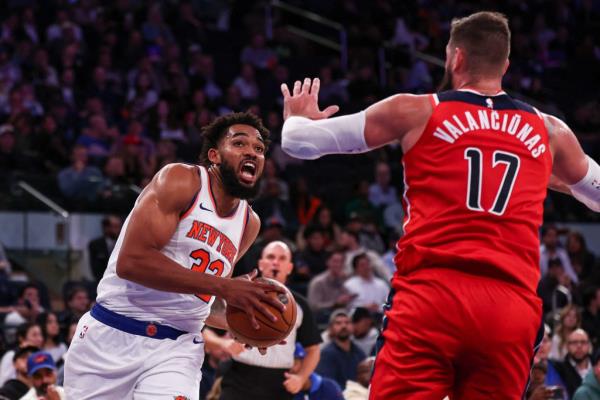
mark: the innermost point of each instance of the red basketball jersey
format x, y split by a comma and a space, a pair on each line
475, 184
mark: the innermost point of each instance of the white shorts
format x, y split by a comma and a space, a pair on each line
106, 363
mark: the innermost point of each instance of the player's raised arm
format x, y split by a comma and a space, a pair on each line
309, 133
152, 224
573, 171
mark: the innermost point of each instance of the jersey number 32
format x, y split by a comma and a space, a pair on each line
205, 266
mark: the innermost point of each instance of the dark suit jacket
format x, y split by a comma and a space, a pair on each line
569, 375
98, 257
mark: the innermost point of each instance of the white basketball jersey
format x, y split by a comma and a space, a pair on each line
202, 242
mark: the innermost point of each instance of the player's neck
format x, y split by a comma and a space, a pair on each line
225, 203
488, 87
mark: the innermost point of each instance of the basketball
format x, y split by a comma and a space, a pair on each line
269, 333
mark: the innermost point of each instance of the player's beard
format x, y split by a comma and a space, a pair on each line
232, 184
446, 83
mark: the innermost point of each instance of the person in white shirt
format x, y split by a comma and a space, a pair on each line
371, 292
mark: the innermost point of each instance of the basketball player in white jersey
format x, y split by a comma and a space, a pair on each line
175, 253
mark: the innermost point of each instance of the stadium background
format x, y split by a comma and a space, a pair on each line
96, 96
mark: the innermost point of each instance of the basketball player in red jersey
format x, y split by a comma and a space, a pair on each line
463, 314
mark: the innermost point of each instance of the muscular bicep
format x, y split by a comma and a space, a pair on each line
395, 118
569, 160
154, 218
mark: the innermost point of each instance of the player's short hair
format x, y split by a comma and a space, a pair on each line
485, 37
215, 131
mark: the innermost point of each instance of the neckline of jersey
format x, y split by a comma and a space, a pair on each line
500, 93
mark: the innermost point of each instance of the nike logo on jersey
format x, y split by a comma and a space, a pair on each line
204, 208
197, 340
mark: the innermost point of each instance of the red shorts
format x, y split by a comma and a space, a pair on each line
448, 333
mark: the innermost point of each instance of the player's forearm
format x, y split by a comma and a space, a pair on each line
155, 270
310, 139
310, 362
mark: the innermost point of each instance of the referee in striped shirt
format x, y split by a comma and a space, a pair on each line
267, 377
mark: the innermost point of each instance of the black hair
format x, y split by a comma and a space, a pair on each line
42, 320
361, 313
24, 351
214, 132
23, 329
74, 290
28, 286
357, 258
589, 294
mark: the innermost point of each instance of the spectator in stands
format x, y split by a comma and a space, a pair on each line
97, 138
324, 220
381, 193
100, 248
312, 260
42, 371
270, 174
581, 258
246, 83
393, 216
349, 241
370, 291
550, 250
5, 266
26, 310
365, 334
359, 389
28, 334
271, 206
359, 205
258, 54
590, 316
80, 181
554, 289
48, 323
77, 303
326, 291
50, 145
577, 363
316, 387
551, 376
570, 320
14, 389
10, 159
340, 358
590, 388
304, 203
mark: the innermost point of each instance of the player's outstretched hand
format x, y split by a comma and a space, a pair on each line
250, 295
304, 101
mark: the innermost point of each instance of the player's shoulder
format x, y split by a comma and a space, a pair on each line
176, 183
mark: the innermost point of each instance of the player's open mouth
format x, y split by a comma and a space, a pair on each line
248, 172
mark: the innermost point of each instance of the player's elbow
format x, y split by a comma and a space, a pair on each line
125, 266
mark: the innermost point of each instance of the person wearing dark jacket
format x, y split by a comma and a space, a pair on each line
577, 363
101, 247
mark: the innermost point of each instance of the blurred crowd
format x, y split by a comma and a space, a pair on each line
96, 96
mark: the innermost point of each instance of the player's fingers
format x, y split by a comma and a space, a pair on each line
297, 88
285, 91
273, 300
314, 89
260, 306
252, 316
306, 86
329, 111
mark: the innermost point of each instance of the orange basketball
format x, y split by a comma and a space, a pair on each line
269, 333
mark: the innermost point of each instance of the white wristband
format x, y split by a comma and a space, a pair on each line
587, 190
307, 139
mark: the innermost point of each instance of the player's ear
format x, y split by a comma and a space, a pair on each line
458, 62
214, 156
